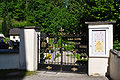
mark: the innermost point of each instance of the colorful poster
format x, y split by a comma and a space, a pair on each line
99, 46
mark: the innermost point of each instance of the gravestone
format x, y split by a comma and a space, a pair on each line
100, 43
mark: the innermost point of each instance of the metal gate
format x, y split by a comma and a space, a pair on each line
63, 53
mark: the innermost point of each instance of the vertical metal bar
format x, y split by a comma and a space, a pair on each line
74, 54
55, 54
58, 53
61, 55
38, 51
73, 50
71, 58
65, 52
47, 52
68, 54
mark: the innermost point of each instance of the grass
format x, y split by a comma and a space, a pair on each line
14, 73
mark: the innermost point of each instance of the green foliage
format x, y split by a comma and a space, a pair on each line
57, 55
69, 47
116, 45
78, 57
0, 27
20, 24
59, 42
6, 39
68, 55
4, 28
51, 15
51, 42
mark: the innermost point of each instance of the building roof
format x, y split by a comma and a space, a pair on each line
14, 31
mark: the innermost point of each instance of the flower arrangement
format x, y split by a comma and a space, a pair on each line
49, 56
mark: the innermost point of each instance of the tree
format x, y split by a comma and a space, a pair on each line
104, 10
51, 15
4, 27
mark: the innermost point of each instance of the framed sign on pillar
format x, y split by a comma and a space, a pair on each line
98, 42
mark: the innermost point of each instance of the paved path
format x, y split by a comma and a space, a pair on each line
42, 75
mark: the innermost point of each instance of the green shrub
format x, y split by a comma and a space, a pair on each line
116, 45
77, 56
69, 47
6, 39
19, 24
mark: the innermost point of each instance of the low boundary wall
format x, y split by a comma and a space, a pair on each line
9, 60
114, 65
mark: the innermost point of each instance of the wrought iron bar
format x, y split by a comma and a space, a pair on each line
61, 55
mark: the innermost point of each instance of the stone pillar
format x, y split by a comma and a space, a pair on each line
100, 43
28, 48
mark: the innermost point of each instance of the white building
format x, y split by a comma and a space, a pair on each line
14, 34
1, 36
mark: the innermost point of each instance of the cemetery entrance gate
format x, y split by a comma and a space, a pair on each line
63, 53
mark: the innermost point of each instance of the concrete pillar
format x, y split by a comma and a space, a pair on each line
100, 43
28, 48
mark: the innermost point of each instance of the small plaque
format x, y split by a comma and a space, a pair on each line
99, 46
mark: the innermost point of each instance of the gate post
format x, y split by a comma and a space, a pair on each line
28, 48
100, 43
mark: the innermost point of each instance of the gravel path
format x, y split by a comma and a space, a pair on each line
42, 75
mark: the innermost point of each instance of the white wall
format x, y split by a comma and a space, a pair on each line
28, 49
98, 60
9, 61
14, 39
98, 66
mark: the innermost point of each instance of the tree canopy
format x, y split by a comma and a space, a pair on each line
51, 15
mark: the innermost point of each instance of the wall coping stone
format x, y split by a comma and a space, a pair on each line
115, 52
100, 22
30, 27
9, 51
